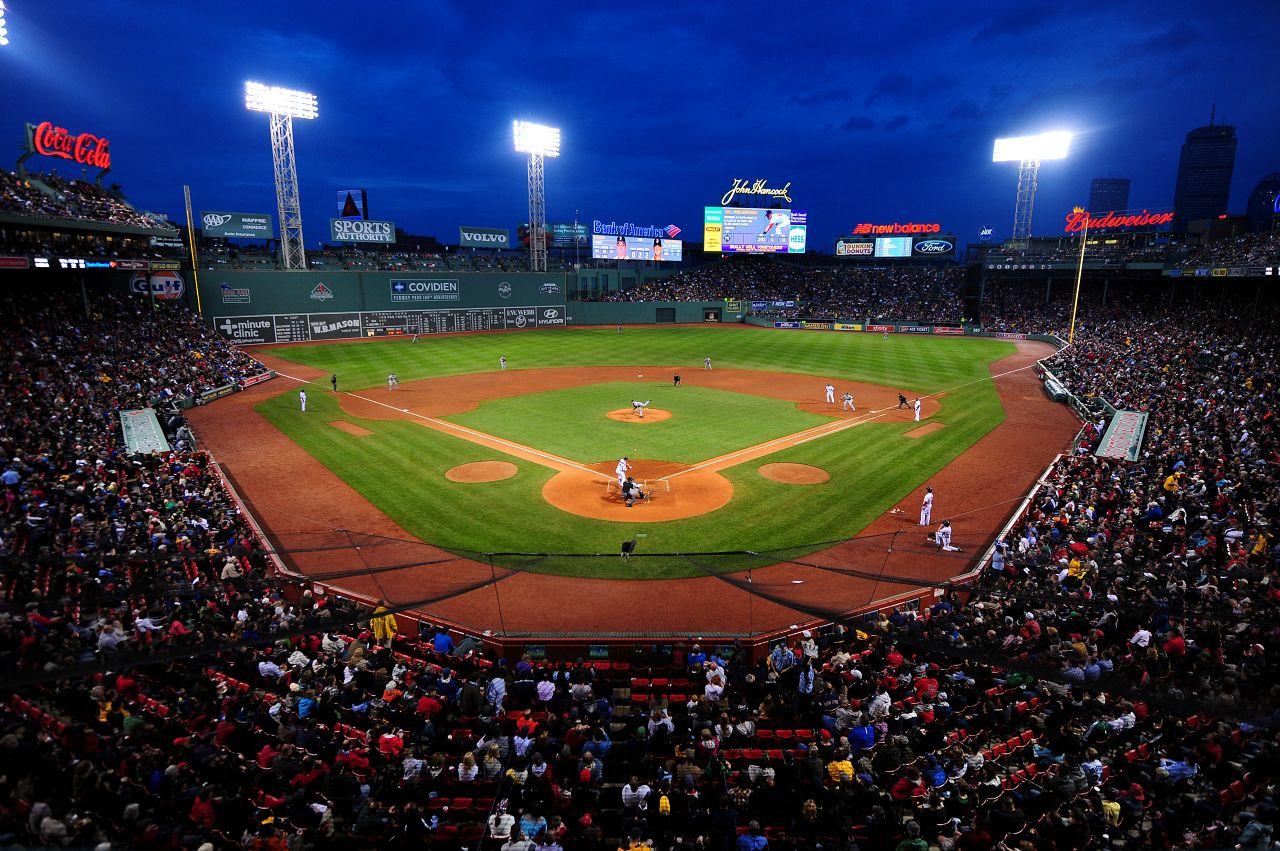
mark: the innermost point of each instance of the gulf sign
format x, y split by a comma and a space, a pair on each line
897, 229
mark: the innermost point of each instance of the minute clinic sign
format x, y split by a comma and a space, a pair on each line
49, 140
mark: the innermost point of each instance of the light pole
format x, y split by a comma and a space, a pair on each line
1075, 301
284, 105
539, 142
1029, 152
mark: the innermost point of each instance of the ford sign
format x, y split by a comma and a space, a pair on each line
934, 246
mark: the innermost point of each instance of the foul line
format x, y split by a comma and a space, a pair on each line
470, 434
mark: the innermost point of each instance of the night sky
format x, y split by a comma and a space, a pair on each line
875, 112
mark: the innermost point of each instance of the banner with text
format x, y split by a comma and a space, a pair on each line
359, 230
469, 237
222, 224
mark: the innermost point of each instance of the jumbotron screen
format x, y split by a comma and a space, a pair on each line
605, 247
747, 230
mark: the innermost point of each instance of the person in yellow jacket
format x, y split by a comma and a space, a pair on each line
383, 624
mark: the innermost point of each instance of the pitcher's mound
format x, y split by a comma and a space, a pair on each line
651, 415
481, 471
795, 474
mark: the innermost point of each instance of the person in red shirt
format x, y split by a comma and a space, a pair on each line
428, 707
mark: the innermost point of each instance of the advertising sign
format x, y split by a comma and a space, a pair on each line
234, 295
1077, 219
741, 186
893, 246
568, 234
49, 140
816, 326
353, 204
469, 237
162, 286
786, 325
846, 326
14, 263
425, 289
897, 228
881, 329
248, 330
748, 230
942, 329
362, 230
933, 247
333, 326
855, 247
237, 225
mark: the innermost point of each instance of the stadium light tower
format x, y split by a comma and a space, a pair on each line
284, 105
1028, 152
4, 27
539, 142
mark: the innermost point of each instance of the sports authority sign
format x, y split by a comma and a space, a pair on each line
236, 225
1077, 219
359, 230
483, 237
49, 140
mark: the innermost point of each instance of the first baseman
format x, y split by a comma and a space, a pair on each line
848, 402
831, 394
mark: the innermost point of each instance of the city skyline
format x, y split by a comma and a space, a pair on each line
872, 119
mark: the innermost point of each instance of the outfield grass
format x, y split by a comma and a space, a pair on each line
400, 467
918, 363
705, 422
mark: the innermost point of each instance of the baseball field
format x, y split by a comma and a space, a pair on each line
747, 455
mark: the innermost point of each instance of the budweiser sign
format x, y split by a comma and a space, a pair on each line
1077, 220
84, 148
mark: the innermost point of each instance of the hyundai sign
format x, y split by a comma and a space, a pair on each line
483, 237
358, 230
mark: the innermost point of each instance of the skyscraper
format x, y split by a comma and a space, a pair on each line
1204, 174
1264, 205
1108, 195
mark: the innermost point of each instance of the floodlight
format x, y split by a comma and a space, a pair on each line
538, 139
4, 31
1054, 145
278, 101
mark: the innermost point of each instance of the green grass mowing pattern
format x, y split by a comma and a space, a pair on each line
705, 422
400, 469
915, 363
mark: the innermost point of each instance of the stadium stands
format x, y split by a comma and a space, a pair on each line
1111, 681
51, 196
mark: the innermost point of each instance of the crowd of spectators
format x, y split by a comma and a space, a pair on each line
51, 196
904, 293
1112, 681
223, 255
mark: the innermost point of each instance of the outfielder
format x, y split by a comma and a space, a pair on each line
502, 363
302, 399
848, 402
916, 407
831, 394
637, 407
926, 507
621, 471
706, 363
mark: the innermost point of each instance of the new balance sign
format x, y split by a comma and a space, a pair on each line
484, 237
358, 230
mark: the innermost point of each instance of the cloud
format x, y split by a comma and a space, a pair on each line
856, 123
819, 98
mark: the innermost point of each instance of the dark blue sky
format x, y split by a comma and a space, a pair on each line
875, 112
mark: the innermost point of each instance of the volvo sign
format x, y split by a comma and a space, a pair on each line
483, 237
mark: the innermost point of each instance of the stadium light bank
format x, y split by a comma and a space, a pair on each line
4, 26
538, 141
284, 105
1029, 152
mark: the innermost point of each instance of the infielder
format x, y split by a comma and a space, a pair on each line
391, 381
637, 407
916, 407
848, 402
706, 363
943, 537
502, 363
831, 394
302, 399
926, 507
621, 471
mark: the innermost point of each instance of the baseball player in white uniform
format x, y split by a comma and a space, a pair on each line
831, 394
391, 381
502, 363
706, 363
943, 537
302, 399
926, 507
621, 471
915, 406
637, 407
848, 402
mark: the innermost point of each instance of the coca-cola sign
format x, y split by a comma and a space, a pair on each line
1078, 218
50, 140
